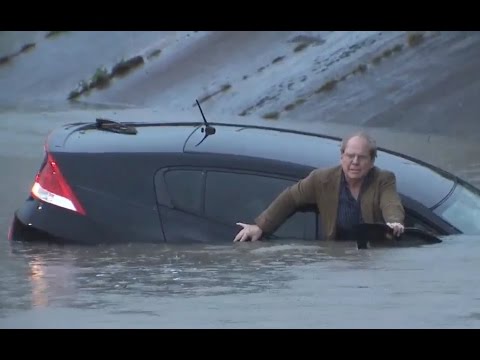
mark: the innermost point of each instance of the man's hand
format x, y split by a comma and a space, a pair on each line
249, 231
397, 228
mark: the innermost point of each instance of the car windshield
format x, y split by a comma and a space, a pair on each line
462, 210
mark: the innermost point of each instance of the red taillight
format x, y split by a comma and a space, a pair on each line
50, 186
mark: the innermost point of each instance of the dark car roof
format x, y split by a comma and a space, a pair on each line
421, 181
150, 138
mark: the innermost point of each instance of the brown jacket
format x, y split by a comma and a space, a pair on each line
380, 201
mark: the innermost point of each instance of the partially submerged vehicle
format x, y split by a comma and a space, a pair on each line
111, 182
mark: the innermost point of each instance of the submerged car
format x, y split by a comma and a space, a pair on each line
111, 182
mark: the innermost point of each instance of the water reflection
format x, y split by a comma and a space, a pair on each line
52, 277
39, 284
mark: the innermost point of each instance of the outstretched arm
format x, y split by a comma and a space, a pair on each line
300, 194
391, 204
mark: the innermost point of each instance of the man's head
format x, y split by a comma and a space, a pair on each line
358, 153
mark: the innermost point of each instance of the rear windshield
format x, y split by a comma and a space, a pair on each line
462, 210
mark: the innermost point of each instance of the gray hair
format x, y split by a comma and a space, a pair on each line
372, 144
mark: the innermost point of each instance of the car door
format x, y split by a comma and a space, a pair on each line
236, 196
204, 205
180, 197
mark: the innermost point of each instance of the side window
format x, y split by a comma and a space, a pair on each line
237, 197
185, 188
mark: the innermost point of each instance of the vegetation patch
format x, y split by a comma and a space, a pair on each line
5, 59
387, 53
293, 105
225, 87
274, 115
377, 59
125, 66
154, 53
397, 48
82, 87
305, 41
102, 76
247, 110
415, 39
278, 59
100, 79
301, 46
51, 34
300, 101
328, 86
260, 103
8, 58
263, 100
26, 48
204, 98
360, 69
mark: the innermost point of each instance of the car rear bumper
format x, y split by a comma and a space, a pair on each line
38, 221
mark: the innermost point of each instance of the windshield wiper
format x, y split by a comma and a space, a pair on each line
115, 126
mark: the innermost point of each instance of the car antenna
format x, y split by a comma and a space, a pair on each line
209, 130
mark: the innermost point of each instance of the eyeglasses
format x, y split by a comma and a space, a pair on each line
360, 158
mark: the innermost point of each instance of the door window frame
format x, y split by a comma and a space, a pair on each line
426, 216
232, 171
165, 198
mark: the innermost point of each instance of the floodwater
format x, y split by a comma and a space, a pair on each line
422, 103
287, 285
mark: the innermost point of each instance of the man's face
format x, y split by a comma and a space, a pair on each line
355, 160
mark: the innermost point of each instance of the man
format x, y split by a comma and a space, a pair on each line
356, 191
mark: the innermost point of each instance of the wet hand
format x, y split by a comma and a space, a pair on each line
252, 232
397, 228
